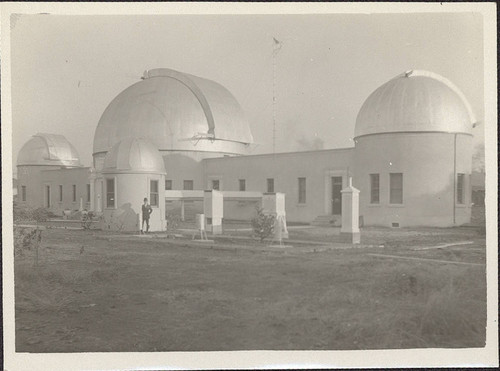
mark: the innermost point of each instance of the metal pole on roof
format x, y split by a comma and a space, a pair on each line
276, 47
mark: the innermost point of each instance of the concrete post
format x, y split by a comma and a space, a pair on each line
274, 204
213, 208
92, 195
182, 210
350, 213
99, 203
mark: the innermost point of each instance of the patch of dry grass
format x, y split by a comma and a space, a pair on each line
122, 296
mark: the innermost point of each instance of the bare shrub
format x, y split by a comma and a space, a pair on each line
173, 222
88, 217
263, 225
26, 213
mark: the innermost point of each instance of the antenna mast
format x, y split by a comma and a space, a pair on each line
276, 48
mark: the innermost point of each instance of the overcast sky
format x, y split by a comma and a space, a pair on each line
66, 69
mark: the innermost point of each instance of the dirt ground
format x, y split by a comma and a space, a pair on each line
96, 292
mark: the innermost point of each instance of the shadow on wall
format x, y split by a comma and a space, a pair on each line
123, 219
234, 210
191, 208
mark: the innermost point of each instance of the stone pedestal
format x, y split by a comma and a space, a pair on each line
350, 214
213, 208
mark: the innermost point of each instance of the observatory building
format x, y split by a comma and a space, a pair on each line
172, 135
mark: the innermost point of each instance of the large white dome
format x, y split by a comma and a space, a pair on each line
415, 101
175, 111
50, 150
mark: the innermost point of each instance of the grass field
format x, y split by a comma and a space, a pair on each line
95, 293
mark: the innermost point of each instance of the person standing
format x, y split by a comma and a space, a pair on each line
146, 212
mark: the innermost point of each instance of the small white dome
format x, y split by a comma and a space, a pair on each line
50, 150
134, 155
169, 108
415, 101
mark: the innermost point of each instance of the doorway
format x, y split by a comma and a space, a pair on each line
336, 195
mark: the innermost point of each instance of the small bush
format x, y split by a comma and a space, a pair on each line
41, 214
87, 217
172, 222
25, 213
28, 238
263, 225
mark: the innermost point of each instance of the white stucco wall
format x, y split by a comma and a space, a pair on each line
37, 178
285, 168
31, 178
426, 161
186, 165
67, 178
130, 190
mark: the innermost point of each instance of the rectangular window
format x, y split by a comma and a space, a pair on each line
216, 184
243, 185
188, 185
110, 193
47, 196
74, 192
60, 193
302, 190
23, 193
88, 192
374, 188
270, 185
153, 190
396, 188
460, 188
168, 184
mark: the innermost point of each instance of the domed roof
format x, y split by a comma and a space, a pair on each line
415, 101
48, 149
134, 155
171, 108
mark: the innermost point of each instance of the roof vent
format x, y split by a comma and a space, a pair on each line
408, 73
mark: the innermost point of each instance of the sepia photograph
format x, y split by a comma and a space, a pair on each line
260, 186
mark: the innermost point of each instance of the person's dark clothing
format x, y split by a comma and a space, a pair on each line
146, 212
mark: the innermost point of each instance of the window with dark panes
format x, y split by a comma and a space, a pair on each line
153, 193
460, 188
110, 192
302, 190
60, 193
168, 184
242, 184
270, 185
374, 188
23, 193
396, 188
216, 184
74, 192
88, 192
188, 185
